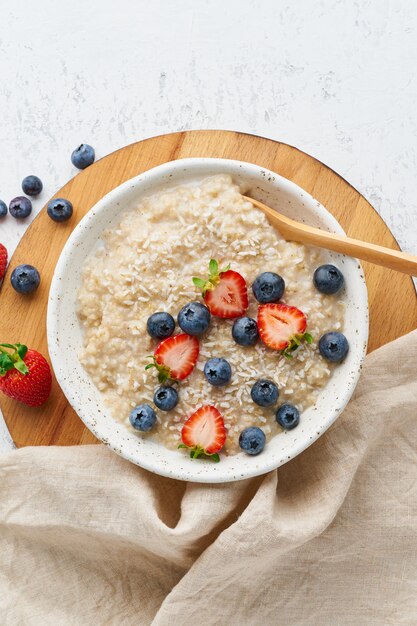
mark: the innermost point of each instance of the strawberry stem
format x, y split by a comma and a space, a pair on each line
197, 451
164, 373
13, 360
213, 277
294, 343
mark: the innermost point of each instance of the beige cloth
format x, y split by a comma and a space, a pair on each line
327, 540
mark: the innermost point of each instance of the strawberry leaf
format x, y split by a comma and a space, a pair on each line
199, 282
21, 367
6, 363
197, 451
225, 269
213, 267
12, 360
21, 350
308, 338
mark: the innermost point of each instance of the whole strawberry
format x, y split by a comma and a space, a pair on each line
25, 374
3, 261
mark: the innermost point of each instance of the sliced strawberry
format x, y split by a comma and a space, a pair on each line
175, 357
3, 261
204, 433
282, 327
225, 291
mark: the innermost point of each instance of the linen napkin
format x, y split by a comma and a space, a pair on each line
330, 538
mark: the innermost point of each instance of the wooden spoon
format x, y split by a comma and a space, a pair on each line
294, 231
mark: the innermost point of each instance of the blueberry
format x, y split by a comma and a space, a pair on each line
160, 325
194, 318
83, 156
60, 209
333, 347
252, 440
264, 392
268, 287
166, 398
245, 331
20, 207
3, 209
25, 278
142, 417
32, 185
288, 416
328, 279
218, 372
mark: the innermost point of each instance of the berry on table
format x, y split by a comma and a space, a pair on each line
59, 209
264, 392
287, 416
204, 433
25, 279
3, 261
328, 279
20, 207
252, 440
175, 357
3, 209
245, 331
166, 398
218, 372
83, 156
268, 287
142, 417
224, 291
25, 374
32, 185
160, 325
333, 347
194, 318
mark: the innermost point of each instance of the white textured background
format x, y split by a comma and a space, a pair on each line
337, 78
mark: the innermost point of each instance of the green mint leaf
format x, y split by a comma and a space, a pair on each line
21, 350
21, 367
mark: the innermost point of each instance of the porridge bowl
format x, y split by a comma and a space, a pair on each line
137, 252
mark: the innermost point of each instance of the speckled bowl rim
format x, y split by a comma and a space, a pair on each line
85, 398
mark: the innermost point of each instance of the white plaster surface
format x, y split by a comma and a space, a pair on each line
336, 78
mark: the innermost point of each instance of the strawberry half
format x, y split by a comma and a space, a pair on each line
282, 327
175, 357
3, 261
225, 291
204, 433
25, 374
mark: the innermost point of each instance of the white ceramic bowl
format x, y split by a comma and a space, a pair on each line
65, 333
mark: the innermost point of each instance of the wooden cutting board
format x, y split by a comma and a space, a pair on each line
392, 297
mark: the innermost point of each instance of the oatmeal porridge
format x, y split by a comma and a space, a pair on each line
147, 264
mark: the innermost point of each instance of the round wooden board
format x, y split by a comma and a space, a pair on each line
392, 297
